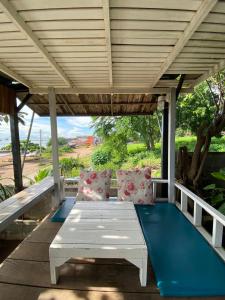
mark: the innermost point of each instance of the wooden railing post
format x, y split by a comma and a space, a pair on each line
184, 202
154, 190
197, 214
217, 235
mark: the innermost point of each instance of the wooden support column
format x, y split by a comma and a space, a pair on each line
164, 153
55, 153
171, 145
15, 139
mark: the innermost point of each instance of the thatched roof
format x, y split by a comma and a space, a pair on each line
98, 104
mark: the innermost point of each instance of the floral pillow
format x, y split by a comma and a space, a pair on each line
135, 186
94, 186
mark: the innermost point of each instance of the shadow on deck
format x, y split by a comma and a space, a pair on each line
25, 275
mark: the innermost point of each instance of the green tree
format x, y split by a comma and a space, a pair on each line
21, 117
207, 120
144, 128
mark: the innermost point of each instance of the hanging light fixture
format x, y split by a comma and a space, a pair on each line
161, 102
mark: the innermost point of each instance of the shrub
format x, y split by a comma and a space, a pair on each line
100, 157
68, 164
66, 149
42, 173
133, 149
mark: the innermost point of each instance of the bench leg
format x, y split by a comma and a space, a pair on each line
143, 272
142, 264
54, 272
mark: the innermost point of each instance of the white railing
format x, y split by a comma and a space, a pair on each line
215, 239
155, 182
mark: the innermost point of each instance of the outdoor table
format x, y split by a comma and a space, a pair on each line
100, 229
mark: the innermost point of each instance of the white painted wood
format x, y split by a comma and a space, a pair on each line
105, 4
217, 235
19, 22
115, 205
171, 145
202, 12
218, 220
159, 4
14, 75
21, 202
100, 238
208, 208
154, 189
197, 214
77, 214
184, 202
55, 152
100, 91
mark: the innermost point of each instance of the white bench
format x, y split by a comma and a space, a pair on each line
19, 203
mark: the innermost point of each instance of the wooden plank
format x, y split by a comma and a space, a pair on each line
147, 25
105, 4
202, 55
137, 59
209, 27
215, 18
160, 4
20, 23
41, 4
76, 49
69, 34
142, 48
145, 34
65, 14
20, 202
71, 55
104, 205
149, 55
67, 25
197, 19
83, 60
203, 49
212, 36
147, 14
206, 44
143, 41
73, 42
37, 274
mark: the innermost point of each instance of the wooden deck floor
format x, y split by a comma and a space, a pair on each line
24, 275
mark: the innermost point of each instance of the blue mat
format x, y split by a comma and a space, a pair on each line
63, 211
183, 262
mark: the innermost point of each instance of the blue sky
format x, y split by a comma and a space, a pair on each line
68, 127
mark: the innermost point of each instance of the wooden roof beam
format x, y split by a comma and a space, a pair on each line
12, 13
202, 12
106, 15
132, 90
14, 75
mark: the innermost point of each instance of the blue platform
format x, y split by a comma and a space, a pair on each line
184, 263
63, 211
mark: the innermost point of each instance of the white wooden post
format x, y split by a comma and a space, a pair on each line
184, 202
171, 146
217, 235
55, 154
197, 214
154, 190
